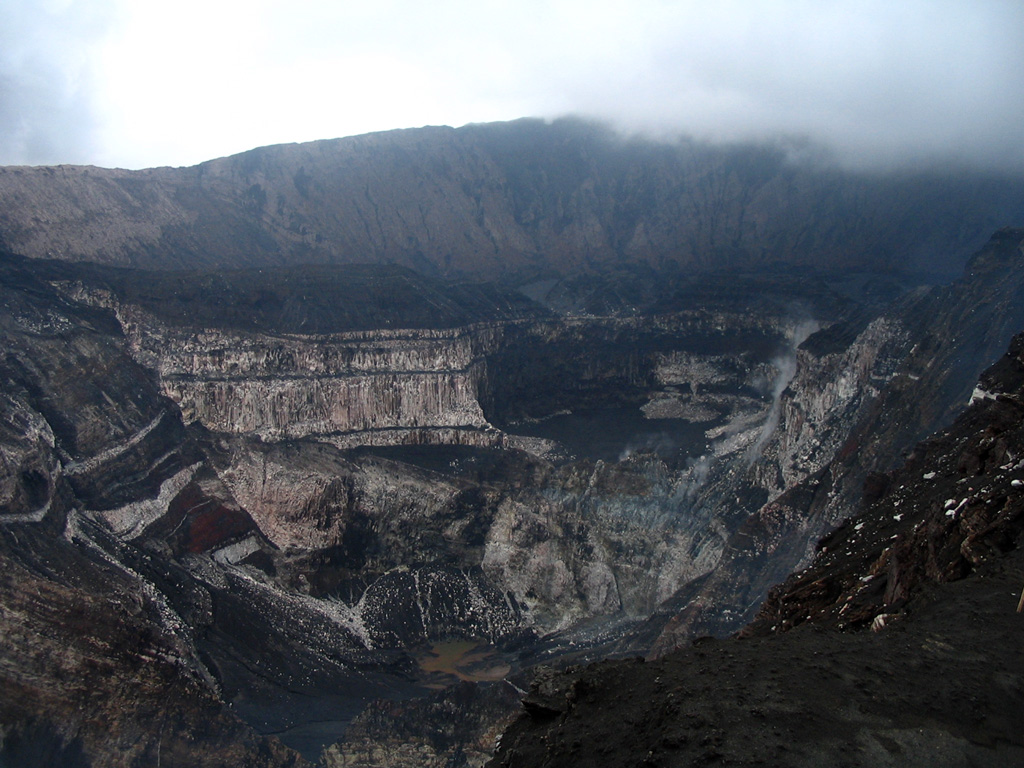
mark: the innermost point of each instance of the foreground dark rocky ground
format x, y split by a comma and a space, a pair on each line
900, 645
943, 688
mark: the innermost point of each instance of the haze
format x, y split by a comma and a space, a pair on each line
133, 84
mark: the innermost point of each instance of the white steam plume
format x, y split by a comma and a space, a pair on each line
785, 364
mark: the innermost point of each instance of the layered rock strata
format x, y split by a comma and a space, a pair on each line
296, 387
96, 650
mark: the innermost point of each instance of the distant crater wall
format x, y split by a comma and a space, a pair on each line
506, 199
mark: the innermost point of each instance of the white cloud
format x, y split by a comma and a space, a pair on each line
47, 79
147, 84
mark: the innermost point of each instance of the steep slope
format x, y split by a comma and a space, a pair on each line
952, 508
97, 665
296, 578
260, 375
856, 402
94, 672
934, 567
525, 199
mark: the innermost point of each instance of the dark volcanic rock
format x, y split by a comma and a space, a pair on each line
69, 386
311, 299
126, 632
955, 505
229, 472
92, 673
457, 726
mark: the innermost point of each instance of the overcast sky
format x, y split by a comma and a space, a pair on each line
136, 83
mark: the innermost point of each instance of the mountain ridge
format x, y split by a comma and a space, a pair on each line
517, 200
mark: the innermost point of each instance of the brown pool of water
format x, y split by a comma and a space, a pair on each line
469, 660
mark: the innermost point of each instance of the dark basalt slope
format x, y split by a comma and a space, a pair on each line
91, 673
933, 566
526, 199
96, 668
307, 299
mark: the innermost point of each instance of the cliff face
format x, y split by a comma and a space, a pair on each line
282, 570
585, 539
859, 396
933, 566
259, 366
949, 512
95, 653
405, 382
763, 475
522, 198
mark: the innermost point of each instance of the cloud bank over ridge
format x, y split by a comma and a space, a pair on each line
116, 82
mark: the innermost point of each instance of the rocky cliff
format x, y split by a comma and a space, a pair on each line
94, 652
897, 646
309, 502
524, 198
856, 402
287, 566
